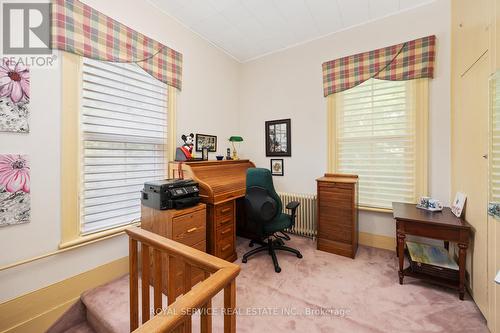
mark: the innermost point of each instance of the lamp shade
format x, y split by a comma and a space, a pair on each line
236, 139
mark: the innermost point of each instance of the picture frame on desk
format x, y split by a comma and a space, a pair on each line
458, 204
206, 141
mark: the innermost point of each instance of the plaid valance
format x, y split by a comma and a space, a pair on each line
405, 61
80, 29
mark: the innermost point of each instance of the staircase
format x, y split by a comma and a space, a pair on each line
106, 309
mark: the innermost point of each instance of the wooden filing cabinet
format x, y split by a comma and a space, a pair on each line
186, 226
338, 214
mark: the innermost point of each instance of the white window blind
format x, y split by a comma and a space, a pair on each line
495, 140
123, 122
375, 139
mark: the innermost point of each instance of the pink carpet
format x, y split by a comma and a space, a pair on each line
322, 292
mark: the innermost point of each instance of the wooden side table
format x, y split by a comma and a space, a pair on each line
438, 225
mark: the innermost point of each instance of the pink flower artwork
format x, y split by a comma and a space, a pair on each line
15, 173
14, 81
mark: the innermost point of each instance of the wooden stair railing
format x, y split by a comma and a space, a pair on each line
219, 274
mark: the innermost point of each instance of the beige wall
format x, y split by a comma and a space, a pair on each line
207, 104
288, 84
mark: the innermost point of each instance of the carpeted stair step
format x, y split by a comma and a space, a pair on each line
74, 320
81, 328
108, 307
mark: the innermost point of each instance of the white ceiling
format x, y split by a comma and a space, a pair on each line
247, 29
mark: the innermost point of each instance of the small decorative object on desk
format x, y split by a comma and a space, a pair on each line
494, 209
219, 157
277, 167
204, 153
185, 152
430, 204
458, 204
228, 154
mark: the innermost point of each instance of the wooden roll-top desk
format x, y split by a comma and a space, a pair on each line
222, 184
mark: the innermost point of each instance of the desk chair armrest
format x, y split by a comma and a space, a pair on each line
293, 205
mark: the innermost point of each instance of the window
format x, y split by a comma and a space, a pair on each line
379, 133
123, 124
117, 125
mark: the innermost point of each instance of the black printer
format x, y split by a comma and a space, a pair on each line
170, 193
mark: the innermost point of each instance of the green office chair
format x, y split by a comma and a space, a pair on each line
264, 212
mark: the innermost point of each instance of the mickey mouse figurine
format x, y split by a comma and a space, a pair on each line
185, 152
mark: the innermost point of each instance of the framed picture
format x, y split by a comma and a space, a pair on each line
458, 204
277, 167
14, 97
278, 138
15, 186
208, 141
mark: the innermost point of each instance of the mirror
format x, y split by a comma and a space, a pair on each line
494, 150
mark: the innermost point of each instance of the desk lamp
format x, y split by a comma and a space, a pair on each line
234, 139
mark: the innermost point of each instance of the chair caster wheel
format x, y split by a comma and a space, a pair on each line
277, 269
299, 256
244, 260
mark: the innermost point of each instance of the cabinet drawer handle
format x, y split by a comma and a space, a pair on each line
226, 220
226, 231
226, 247
192, 230
225, 210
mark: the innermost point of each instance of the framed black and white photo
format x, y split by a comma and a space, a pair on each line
277, 167
206, 141
278, 138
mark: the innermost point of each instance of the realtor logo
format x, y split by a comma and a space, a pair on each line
26, 28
